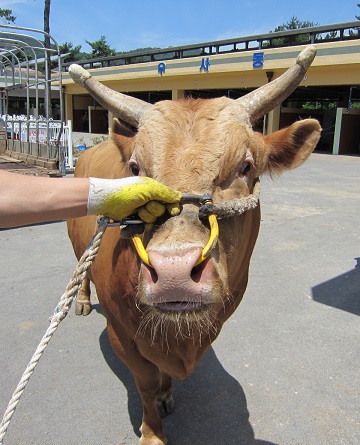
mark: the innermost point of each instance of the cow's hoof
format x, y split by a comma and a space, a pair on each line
165, 406
82, 307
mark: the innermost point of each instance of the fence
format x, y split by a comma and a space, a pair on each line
40, 139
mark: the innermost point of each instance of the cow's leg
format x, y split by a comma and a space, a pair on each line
149, 385
148, 379
165, 400
83, 304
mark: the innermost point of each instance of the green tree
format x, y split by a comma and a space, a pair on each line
100, 48
293, 23
357, 30
6, 16
73, 52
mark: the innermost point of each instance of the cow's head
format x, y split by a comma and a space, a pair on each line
199, 146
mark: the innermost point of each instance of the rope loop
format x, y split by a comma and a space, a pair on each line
234, 207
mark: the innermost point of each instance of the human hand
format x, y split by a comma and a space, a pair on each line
118, 198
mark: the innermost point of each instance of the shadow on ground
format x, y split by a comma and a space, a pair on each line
210, 404
341, 292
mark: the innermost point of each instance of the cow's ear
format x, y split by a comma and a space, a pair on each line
122, 128
123, 137
290, 147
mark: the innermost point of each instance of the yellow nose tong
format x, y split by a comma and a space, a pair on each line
214, 231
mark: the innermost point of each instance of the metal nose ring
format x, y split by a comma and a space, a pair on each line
214, 232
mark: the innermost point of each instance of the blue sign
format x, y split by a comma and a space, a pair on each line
205, 64
161, 68
258, 60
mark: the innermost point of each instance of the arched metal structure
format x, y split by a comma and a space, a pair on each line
22, 67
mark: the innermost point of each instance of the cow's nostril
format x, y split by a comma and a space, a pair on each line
153, 274
196, 271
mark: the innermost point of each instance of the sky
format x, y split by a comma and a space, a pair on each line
162, 23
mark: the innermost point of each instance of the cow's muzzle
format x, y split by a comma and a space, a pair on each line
200, 200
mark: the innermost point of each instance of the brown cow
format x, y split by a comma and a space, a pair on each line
161, 319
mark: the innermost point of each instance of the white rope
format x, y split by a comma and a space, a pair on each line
235, 207
60, 313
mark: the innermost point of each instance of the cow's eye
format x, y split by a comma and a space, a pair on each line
245, 168
134, 167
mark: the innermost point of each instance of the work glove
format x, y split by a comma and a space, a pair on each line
119, 198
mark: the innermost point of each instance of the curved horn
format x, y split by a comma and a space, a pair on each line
264, 99
130, 109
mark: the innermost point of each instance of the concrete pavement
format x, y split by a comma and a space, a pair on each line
284, 371
15, 165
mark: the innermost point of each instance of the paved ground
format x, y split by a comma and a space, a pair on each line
14, 165
284, 371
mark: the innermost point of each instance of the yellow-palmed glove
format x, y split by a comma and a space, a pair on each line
118, 198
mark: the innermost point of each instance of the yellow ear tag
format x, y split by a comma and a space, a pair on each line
214, 235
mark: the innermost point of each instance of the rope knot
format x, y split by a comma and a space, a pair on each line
234, 207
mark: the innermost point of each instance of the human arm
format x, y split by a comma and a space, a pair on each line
32, 199
26, 199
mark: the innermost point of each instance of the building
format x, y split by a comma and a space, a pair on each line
329, 92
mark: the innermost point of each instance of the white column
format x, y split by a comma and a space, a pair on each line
177, 94
337, 132
273, 120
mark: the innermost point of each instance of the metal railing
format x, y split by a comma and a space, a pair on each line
316, 34
39, 137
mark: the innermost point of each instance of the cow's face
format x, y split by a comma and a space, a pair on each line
199, 146
203, 146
